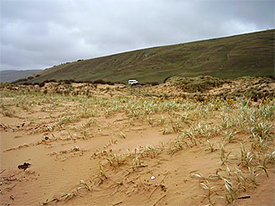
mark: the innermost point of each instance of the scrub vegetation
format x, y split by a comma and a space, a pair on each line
196, 141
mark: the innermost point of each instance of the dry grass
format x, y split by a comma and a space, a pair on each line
236, 134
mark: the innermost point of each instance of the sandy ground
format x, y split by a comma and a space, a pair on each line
98, 160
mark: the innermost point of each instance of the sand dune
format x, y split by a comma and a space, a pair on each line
135, 150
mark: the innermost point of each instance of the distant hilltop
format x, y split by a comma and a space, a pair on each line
228, 57
12, 75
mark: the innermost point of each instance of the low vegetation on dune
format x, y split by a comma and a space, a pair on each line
230, 57
196, 84
188, 141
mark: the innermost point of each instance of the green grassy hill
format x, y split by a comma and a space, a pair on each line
242, 55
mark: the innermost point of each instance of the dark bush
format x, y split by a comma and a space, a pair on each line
27, 83
271, 77
50, 80
42, 84
152, 83
65, 81
99, 81
30, 77
120, 83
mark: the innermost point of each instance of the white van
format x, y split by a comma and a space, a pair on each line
132, 81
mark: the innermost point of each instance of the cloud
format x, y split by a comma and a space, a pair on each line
36, 34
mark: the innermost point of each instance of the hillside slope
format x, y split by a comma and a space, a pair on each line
242, 55
12, 75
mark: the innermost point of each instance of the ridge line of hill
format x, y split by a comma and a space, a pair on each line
249, 54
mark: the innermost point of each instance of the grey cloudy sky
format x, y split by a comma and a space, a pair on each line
36, 34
